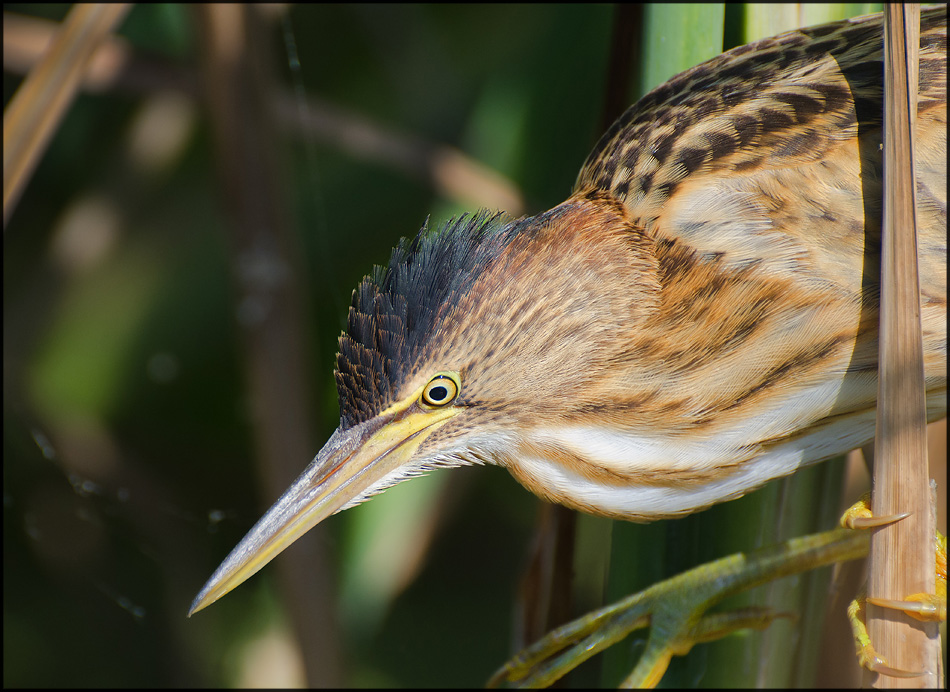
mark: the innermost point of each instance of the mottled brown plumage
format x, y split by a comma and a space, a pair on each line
698, 318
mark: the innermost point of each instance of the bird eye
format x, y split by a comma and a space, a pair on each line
441, 390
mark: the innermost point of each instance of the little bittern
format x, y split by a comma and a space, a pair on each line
698, 318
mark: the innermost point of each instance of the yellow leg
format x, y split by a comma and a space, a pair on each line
675, 611
651, 668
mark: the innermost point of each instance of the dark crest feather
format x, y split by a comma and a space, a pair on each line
394, 311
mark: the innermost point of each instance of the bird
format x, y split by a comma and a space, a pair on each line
698, 318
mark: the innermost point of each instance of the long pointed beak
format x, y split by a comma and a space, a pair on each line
352, 462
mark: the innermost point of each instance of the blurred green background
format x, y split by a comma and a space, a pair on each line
129, 455
129, 470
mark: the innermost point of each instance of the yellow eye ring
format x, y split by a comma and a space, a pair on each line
441, 390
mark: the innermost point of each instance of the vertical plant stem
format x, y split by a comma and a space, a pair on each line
902, 554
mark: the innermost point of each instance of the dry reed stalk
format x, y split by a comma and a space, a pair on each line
902, 554
35, 111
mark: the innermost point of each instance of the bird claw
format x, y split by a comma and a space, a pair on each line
878, 665
860, 516
926, 607
873, 522
922, 606
868, 657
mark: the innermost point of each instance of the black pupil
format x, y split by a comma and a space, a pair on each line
438, 393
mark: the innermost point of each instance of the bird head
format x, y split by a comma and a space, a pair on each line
457, 350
